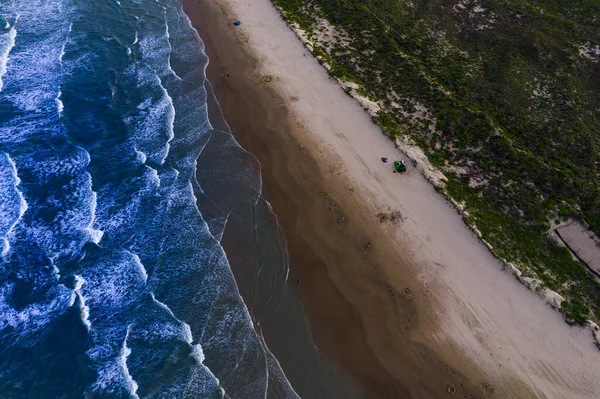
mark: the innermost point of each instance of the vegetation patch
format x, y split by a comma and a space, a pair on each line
502, 97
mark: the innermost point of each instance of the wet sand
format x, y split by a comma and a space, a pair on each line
414, 307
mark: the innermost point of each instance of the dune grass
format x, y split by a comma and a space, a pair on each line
504, 98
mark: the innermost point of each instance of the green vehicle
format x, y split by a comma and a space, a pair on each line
400, 166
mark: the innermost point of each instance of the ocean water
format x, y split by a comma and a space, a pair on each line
115, 189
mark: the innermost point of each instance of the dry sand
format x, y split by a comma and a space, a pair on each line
417, 307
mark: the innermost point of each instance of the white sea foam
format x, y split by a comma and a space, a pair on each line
55, 269
113, 373
59, 104
79, 283
140, 155
85, 310
156, 52
62, 48
125, 352
16, 181
32, 317
33, 69
187, 333
155, 177
7, 42
140, 266
168, 36
164, 306
94, 234
116, 281
152, 123
198, 354
187, 336
170, 120
166, 26
14, 166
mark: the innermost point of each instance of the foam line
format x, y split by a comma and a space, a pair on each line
140, 266
155, 177
171, 120
168, 36
95, 234
140, 155
197, 352
7, 42
132, 386
85, 310
59, 103
22, 204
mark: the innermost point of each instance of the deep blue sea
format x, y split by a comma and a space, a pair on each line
113, 281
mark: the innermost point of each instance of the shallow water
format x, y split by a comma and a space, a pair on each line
113, 280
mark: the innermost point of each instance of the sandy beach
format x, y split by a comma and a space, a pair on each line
414, 307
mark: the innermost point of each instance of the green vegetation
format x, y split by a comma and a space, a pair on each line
504, 98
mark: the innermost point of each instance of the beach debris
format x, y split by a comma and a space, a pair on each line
391, 290
450, 389
237, 23
392, 216
384, 160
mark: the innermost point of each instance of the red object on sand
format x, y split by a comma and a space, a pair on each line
384, 160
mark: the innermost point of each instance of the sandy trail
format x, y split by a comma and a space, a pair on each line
476, 318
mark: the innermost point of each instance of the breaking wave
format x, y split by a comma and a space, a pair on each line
7, 42
112, 274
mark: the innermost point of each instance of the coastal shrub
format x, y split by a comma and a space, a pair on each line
506, 92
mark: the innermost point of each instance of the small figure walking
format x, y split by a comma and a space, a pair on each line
341, 219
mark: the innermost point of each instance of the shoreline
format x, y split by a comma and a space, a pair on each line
394, 300
303, 189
